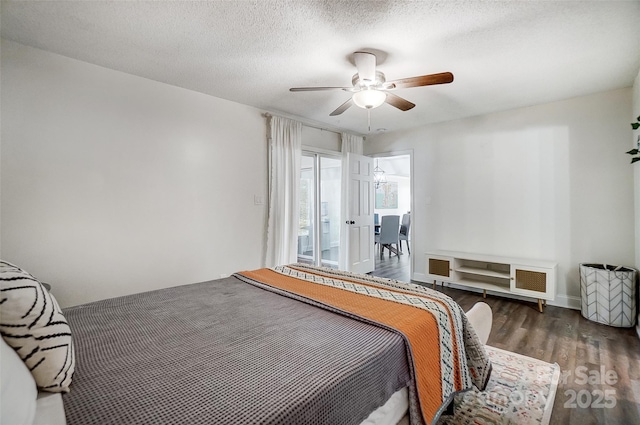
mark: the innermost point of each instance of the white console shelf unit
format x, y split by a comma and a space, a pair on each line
505, 275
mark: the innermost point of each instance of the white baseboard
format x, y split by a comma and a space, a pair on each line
565, 301
420, 277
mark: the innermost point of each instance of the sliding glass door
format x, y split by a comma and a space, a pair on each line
319, 216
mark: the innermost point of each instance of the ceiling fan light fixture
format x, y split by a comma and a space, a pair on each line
369, 98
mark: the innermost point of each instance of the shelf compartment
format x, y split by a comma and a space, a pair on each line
488, 286
484, 272
487, 279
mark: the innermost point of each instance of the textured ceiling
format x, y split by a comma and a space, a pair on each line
504, 54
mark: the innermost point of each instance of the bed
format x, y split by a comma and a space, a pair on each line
289, 345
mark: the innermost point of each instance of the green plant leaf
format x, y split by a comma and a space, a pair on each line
633, 151
638, 118
635, 125
637, 158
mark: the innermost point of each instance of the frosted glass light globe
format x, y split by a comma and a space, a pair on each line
369, 98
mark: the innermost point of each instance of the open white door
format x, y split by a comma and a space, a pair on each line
358, 224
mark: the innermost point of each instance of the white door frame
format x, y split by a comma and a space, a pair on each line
413, 216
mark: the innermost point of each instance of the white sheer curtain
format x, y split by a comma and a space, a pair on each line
285, 156
354, 144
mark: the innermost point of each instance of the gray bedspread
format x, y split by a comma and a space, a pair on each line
227, 352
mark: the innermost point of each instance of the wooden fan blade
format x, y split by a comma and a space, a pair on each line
398, 102
346, 105
366, 65
320, 88
423, 80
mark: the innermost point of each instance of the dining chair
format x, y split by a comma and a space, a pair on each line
388, 236
404, 231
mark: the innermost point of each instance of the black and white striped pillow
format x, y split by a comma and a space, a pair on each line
33, 324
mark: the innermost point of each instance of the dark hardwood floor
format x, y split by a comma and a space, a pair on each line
584, 350
394, 267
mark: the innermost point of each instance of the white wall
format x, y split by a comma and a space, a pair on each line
549, 182
114, 184
323, 139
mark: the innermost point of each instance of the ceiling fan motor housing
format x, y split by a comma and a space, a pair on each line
366, 65
376, 83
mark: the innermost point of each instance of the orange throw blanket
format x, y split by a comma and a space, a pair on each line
444, 351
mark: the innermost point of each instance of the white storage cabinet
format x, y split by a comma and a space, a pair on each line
505, 275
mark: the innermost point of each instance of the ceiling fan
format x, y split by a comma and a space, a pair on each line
370, 88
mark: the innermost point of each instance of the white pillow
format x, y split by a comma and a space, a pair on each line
32, 323
481, 318
19, 393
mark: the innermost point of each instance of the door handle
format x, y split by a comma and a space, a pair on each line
350, 222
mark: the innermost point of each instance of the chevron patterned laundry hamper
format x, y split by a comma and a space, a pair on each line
608, 294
